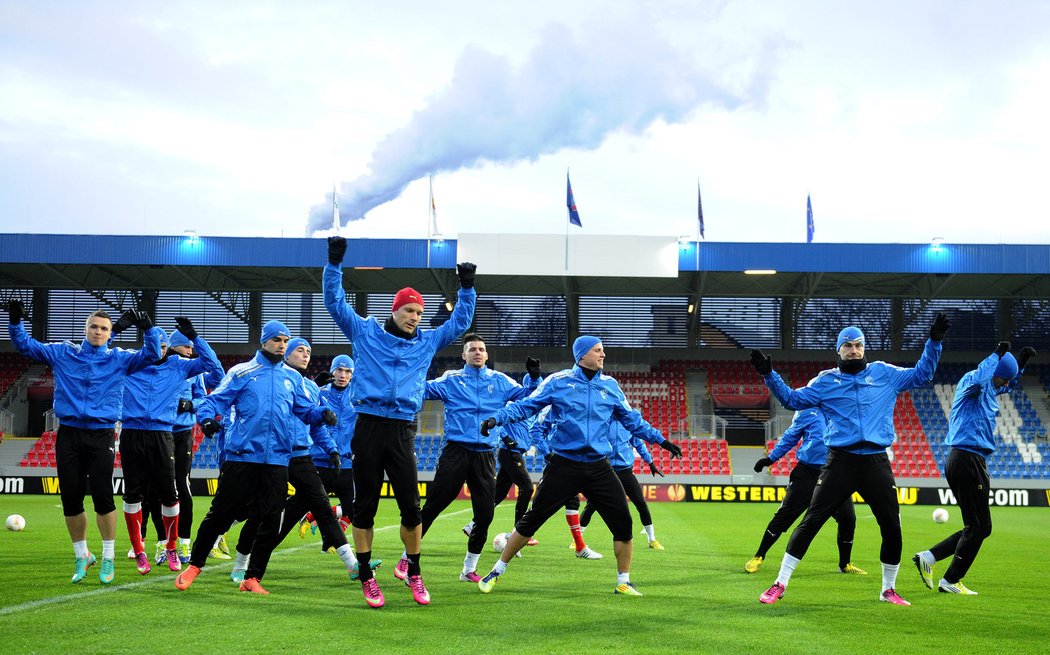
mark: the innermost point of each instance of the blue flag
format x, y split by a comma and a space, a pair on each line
699, 209
574, 216
810, 229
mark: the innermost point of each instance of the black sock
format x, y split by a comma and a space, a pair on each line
364, 571
767, 541
413, 564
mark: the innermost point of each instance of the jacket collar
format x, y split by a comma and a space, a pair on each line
265, 361
475, 372
86, 345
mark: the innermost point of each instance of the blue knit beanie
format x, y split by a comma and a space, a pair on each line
178, 339
341, 361
850, 334
583, 345
274, 329
295, 343
1007, 368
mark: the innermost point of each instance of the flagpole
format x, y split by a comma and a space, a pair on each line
429, 222
567, 222
335, 210
698, 226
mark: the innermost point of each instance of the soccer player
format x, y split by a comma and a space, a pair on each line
857, 400
512, 469
336, 395
540, 433
89, 377
622, 461
584, 404
270, 399
150, 403
808, 427
470, 395
193, 392
393, 357
310, 494
971, 435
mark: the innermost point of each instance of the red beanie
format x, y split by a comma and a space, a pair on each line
406, 296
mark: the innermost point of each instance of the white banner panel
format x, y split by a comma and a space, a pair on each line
556, 254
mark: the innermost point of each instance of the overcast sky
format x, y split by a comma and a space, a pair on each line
904, 120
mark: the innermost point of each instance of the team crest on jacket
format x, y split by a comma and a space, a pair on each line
490, 388
869, 380
602, 392
288, 385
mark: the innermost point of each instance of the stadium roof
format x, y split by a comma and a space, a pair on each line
384, 265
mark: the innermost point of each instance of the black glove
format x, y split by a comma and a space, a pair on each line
466, 271
323, 378
1002, 348
762, 463
334, 461
15, 312
142, 320
762, 362
210, 427
329, 417
126, 320
336, 250
1027, 353
487, 425
186, 407
671, 447
655, 471
532, 365
508, 441
941, 324
186, 327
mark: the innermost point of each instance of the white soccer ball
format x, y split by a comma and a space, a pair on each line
940, 515
15, 522
499, 542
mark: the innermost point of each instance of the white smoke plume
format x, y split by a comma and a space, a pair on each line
568, 93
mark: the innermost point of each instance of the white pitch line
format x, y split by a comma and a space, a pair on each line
43, 602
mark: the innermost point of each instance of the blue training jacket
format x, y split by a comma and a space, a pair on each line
624, 446
193, 390
807, 426
339, 401
390, 370
583, 412
306, 436
89, 380
472, 395
858, 407
151, 396
271, 401
971, 425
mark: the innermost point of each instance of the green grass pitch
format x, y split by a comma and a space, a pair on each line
697, 597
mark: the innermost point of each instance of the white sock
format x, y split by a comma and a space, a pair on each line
107, 548
889, 575
787, 567
240, 563
216, 544
80, 549
470, 562
927, 556
470, 526
184, 542
404, 554
499, 567
346, 553
623, 578
338, 511
650, 532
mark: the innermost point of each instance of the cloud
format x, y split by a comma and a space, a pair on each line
568, 92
